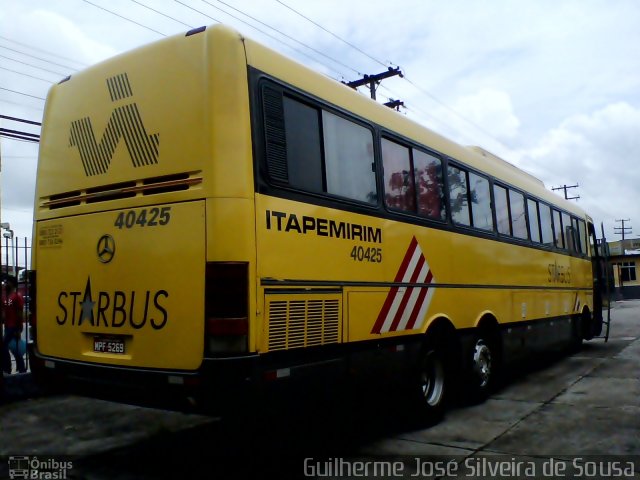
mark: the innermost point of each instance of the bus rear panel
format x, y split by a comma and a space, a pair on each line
141, 160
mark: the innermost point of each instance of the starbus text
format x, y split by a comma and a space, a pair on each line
113, 309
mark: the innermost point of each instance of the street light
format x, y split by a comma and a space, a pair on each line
9, 234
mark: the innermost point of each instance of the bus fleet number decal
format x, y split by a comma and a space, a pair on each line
366, 254
144, 218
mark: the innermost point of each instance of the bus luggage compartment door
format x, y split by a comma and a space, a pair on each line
124, 287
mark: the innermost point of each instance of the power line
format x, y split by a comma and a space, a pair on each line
435, 99
27, 75
22, 105
18, 132
163, 14
420, 89
40, 58
22, 120
32, 65
283, 34
19, 135
21, 93
271, 36
43, 51
259, 30
333, 34
124, 18
198, 11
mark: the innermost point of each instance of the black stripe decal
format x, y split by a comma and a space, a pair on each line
119, 87
125, 123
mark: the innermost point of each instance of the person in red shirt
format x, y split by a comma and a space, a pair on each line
13, 306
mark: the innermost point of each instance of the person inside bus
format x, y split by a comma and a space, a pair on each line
13, 305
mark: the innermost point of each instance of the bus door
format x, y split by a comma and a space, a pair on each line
599, 282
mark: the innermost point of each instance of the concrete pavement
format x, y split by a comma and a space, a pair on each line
559, 407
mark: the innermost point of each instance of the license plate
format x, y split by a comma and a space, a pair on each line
108, 345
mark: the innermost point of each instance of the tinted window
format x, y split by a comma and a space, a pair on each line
348, 150
428, 181
304, 156
534, 228
518, 218
458, 195
567, 233
575, 232
398, 180
480, 202
582, 228
502, 210
546, 225
557, 230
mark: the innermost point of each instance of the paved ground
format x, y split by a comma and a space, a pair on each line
560, 407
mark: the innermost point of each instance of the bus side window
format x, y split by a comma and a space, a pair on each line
304, 154
575, 232
399, 190
502, 210
429, 185
480, 202
557, 229
458, 195
534, 224
348, 150
568, 236
582, 228
546, 225
518, 217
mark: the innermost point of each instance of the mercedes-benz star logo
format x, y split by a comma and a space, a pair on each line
106, 248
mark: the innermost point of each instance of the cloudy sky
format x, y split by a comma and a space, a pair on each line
550, 85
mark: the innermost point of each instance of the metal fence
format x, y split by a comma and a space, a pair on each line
15, 261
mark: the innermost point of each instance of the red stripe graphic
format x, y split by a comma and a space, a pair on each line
416, 308
387, 303
404, 306
407, 295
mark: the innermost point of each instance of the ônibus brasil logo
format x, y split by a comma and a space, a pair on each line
125, 123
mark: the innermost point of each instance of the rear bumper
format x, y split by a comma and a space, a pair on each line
210, 389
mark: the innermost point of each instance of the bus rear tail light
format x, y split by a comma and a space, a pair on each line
226, 307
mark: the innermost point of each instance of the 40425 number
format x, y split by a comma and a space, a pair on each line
143, 218
366, 254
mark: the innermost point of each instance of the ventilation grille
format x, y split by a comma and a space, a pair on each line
275, 137
296, 322
117, 191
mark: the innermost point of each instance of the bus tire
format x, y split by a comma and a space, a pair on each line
586, 326
484, 365
577, 333
428, 385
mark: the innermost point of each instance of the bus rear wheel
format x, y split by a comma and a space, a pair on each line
483, 369
428, 387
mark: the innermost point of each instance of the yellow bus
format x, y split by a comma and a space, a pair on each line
212, 215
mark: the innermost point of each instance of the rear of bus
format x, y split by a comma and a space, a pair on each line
144, 226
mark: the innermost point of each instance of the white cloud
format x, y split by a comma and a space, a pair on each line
491, 110
554, 87
600, 152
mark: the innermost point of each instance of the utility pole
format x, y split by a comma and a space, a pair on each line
565, 188
622, 230
394, 104
372, 81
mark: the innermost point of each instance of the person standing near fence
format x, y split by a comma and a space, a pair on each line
13, 307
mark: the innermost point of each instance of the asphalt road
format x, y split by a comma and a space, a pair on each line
548, 419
